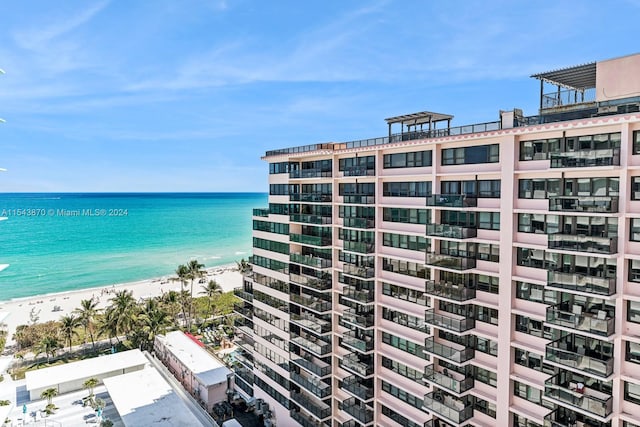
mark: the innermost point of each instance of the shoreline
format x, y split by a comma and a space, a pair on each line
52, 306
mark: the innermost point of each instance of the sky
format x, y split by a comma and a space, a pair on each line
114, 95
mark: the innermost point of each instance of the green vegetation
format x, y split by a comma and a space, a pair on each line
5, 402
49, 394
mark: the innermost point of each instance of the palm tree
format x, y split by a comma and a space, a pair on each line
195, 272
182, 273
87, 313
123, 307
153, 321
109, 324
243, 266
68, 325
48, 345
210, 289
171, 300
90, 384
49, 394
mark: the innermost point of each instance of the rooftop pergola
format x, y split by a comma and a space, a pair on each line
415, 119
576, 79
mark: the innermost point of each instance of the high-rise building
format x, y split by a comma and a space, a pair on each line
477, 275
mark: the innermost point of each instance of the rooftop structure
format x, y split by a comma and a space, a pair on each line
457, 276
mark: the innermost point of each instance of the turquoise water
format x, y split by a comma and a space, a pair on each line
63, 242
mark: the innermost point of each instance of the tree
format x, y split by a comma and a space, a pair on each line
109, 325
182, 275
153, 320
49, 394
90, 384
171, 301
210, 289
48, 345
243, 266
87, 313
68, 325
195, 272
123, 307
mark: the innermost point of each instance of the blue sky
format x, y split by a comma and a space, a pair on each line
187, 95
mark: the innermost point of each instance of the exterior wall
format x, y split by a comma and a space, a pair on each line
618, 78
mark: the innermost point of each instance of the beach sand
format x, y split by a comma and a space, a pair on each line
53, 306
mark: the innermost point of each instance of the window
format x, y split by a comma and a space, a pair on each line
405, 267
635, 188
489, 188
406, 189
527, 392
400, 419
486, 283
536, 293
632, 392
485, 376
538, 188
636, 142
271, 227
409, 398
539, 149
633, 352
404, 345
532, 361
520, 421
403, 241
486, 345
634, 270
488, 252
489, 220
405, 294
633, 311
533, 327
407, 160
485, 407
276, 168
403, 370
471, 155
278, 189
487, 315
410, 216
270, 245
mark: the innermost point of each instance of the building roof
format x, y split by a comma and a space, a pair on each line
75, 371
206, 368
578, 77
419, 118
144, 398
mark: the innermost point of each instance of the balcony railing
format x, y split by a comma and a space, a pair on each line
315, 346
354, 340
563, 417
357, 410
591, 204
316, 283
318, 408
443, 320
583, 243
316, 304
312, 385
353, 384
587, 158
242, 294
362, 320
452, 201
359, 222
243, 311
571, 316
582, 358
358, 171
355, 270
360, 247
586, 399
353, 362
304, 421
450, 380
315, 366
360, 295
311, 240
311, 261
581, 283
263, 212
457, 354
244, 343
451, 231
447, 407
310, 173
449, 290
312, 323
311, 219
449, 261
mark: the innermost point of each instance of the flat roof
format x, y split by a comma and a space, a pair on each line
578, 77
419, 118
205, 367
144, 398
87, 368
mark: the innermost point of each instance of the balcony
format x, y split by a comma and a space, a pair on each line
243, 373
311, 323
359, 222
583, 243
242, 294
310, 260
358, 341
575, 317
357, 410
451, 322
358, 171
449, 290
304, 421
452, 201
243, 357
312, 344
358, 364
310, 173
312, 384
318, 408
586, 158
310, 364
360, 247
304, 239
359, 199
448, 407
316, 283
587, 399
353, 384
581, 283
358, 271
453, 381
243, 311
587, 355
310, 197
451, 231
263, 212
316, 304
455, 353
359, 295
244, 343
590, 204
358, 318
311, 219
450, 261
563, 417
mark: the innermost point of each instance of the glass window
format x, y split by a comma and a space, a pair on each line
633, 311
633, 352
636, 142
634, 270
632, 392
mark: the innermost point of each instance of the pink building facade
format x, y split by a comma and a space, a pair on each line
448, 276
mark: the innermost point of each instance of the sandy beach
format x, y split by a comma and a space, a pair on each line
53, 306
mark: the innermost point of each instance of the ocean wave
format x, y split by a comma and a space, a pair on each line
215, 257
239, 253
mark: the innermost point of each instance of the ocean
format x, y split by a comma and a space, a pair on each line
57, 242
